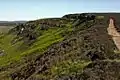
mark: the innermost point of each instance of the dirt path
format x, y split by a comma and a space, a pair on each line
113, 32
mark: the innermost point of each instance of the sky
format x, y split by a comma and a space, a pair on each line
11, 10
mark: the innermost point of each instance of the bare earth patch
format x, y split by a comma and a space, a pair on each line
113, 32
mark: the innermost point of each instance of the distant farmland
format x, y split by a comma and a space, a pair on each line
4, 29
6, 25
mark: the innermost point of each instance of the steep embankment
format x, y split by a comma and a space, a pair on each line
67, 48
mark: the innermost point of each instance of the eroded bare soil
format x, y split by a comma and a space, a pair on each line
114, 33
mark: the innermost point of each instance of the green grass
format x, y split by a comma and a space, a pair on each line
116, 51
13, 53
48, 38
68, 67
4, 74
64, 68
9, 49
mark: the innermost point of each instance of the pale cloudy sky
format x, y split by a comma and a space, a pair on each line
36, 9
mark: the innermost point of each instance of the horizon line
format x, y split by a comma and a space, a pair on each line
57, 17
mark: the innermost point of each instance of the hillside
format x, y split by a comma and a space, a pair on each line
73, 47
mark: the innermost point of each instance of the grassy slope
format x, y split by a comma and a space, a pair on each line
69, 66
51, 36
9, 49
13, 53
72, 65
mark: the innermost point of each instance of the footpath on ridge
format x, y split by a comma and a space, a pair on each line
114, 33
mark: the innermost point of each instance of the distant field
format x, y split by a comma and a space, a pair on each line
5, 29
